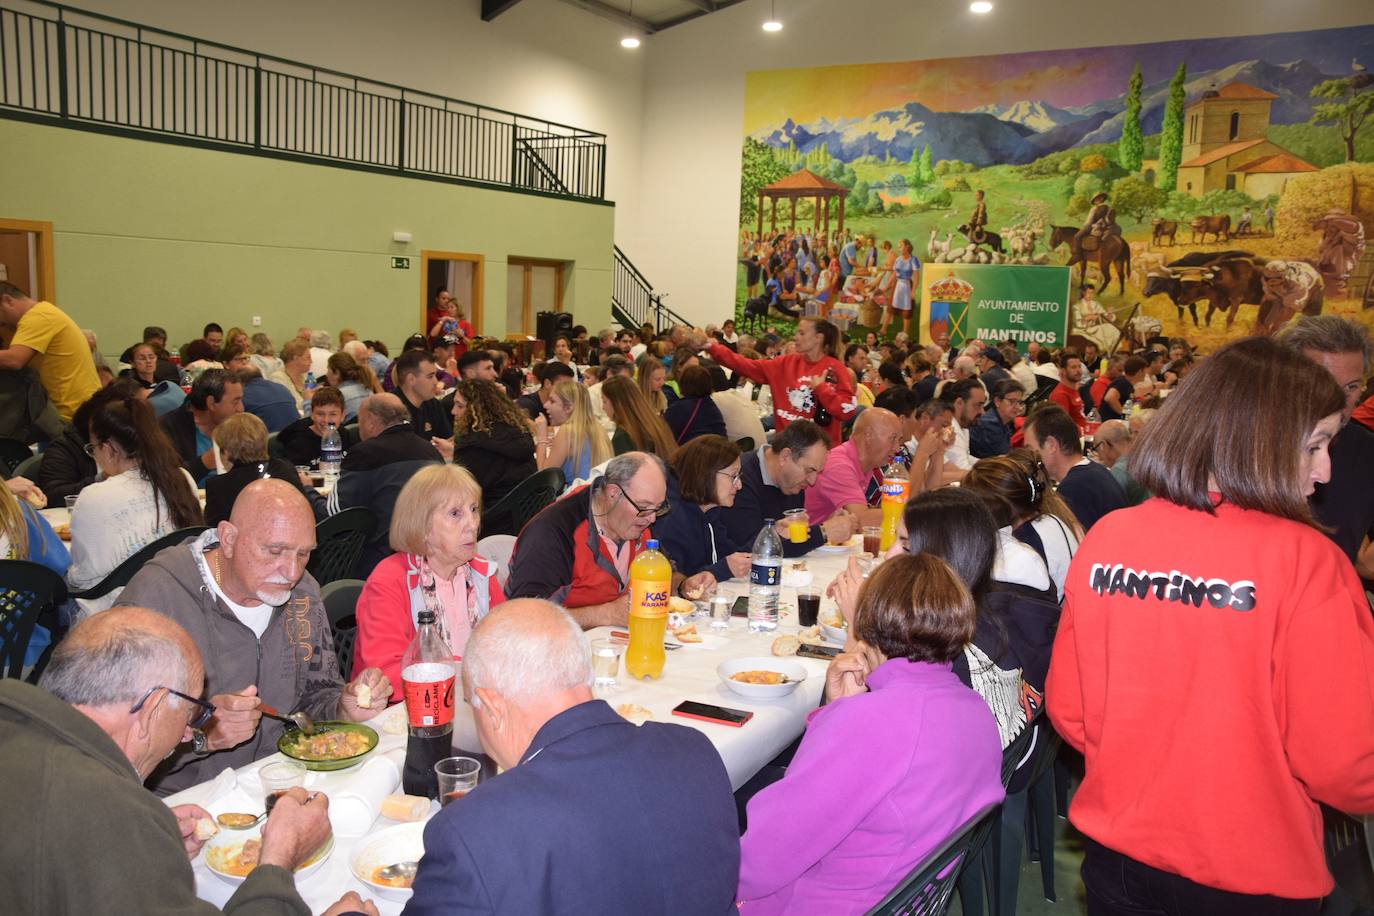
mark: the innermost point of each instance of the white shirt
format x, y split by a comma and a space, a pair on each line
1060, 546
112, 520
958, 454
1018, 564
1048, 370
741, 419
1025, 376
598, 411
319, 362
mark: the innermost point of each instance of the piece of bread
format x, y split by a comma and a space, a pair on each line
681, 605
205, 828
364, 695
811, 636
786, 645
633, 712
405, 807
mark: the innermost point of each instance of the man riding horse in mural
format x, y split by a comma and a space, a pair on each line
1101, 222
977, 233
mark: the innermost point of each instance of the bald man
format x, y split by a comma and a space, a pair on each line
1113, 443
852, 476
82, 835
576, 769
375, 470
242, 592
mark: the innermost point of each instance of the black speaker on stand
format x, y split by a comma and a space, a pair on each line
551, 325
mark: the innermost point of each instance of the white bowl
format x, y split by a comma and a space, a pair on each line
402, 843
795, 672
227, 839
837, 635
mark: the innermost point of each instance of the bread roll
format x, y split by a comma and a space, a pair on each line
405, 807
364, 694
205, 828
786, 645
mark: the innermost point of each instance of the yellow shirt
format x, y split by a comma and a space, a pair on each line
62, 357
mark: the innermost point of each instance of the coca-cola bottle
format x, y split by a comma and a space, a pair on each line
428, 674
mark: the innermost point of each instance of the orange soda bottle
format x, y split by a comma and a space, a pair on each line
896, 489
651, 579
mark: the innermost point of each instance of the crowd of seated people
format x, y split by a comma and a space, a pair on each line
1011, 595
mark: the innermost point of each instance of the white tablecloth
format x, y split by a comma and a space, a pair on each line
689, 674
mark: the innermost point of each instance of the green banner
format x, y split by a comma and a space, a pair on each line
994, 302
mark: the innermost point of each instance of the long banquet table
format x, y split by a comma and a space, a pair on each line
689, 674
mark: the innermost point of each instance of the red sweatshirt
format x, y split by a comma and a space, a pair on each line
1220, 682
1364, 414
793, 400
1068, 398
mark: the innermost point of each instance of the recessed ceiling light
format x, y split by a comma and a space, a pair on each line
981, 7
629, 41
772, 25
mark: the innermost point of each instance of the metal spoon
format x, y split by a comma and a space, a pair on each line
234, 824
298, 719
403, 870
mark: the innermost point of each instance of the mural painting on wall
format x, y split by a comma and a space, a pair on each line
1206, 188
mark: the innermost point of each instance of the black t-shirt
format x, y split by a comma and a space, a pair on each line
1122, 386
1346, 503
1091, 492
925, 388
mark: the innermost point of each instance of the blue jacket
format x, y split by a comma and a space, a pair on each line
271, 403
694, 540
45, 547
600, 816
989, 436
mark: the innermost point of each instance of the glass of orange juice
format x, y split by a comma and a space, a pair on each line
798, 528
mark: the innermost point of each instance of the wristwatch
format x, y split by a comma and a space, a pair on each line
200, 742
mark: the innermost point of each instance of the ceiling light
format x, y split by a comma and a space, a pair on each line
629, 41
981, 7
771, 24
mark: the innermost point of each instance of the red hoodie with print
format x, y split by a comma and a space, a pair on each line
793, 398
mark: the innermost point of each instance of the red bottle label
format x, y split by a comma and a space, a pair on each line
429, 702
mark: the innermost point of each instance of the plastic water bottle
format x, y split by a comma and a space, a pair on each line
310, 382
331, 455
765, 580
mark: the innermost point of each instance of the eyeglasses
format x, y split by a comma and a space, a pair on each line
203, 712
733, 478
656, 511
89, 448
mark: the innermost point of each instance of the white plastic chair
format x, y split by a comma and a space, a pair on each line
497, 548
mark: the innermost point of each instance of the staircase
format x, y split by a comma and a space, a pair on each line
634, 301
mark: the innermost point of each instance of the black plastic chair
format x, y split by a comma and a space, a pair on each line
339, 542
340, 599
520, 505
927, 889
121, 574
12, 454
274, 448
1033, 807
28, 468
30, 595
745, 443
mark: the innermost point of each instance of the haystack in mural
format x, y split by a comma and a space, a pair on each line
1223, 186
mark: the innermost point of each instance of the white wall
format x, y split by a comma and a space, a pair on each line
681, 226
541, 58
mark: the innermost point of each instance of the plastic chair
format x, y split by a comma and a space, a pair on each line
30, 594
521, 504
498, 548
745, 443
13, 453
339, 542
340, 600
28, 468
274, 448
926, 891
977, 873
1033, 806
121, 574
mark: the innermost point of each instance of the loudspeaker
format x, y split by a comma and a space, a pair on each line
548, 325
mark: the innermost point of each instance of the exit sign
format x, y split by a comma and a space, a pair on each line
400, 263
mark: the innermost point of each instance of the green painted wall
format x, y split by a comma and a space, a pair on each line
154, 233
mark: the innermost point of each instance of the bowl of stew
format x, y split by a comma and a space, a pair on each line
334, 746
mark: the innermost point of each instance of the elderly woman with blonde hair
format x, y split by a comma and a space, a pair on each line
435, 567
242, 442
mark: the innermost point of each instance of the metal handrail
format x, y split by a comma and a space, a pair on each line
60, 64
636, 298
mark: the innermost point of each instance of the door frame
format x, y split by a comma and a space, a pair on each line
528, 325
47, 272
474, 307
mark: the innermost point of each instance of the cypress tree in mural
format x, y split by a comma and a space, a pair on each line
1171, 134
1131, 150
927, 167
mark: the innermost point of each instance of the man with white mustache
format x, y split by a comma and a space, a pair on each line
241, 591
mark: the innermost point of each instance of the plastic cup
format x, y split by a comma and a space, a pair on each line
808, 606
279, 776
873, 537
797, 527
457, 777
720, 611
606, 662
70, 502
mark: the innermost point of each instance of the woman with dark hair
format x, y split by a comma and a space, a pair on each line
908, 753
1038, 516
143, 366
353, 381
637, 427
491, 438
704, 476
145, 494
694, 413
1218, 680
66, 468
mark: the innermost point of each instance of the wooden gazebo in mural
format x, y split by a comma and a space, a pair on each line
804, 184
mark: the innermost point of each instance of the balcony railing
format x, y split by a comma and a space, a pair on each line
64, 66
